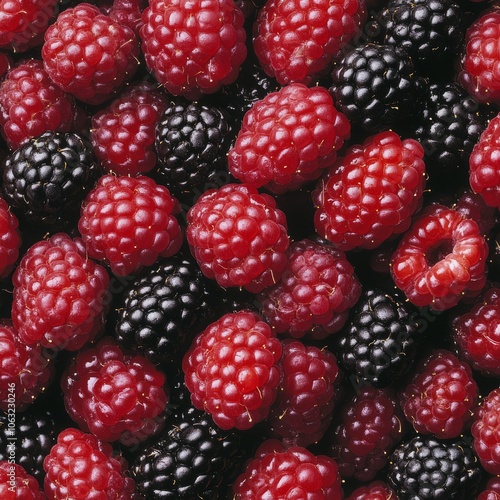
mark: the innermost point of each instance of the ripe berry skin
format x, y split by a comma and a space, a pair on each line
291, 473
88, 54
232, 370
479, 66
491, 490
115, 395
123, 133
441, 396
22, 484
129, 222
10, 239
376, 490
371, 193
295, 41
31, 104
440, 259
80, 467
59, 294
238, 237
308, 391
315, 293
288, 138
193, 48
25, 371
484, 164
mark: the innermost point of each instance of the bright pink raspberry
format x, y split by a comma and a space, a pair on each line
88, 54
114, 394
371, 193
440, 259
315, 293
296, 41
16, 483
59, 294
288, 138
129, 222
238, 237
195, 47
231, 370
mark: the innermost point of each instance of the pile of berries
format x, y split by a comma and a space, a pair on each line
250, 250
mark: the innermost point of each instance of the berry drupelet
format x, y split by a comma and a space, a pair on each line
10, 239
15, 483
376, 490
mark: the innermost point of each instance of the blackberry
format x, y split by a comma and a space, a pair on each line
426, 467
192, 142
376, 87
193, 459
430, 31
46, 179
448, 126
35, 433
163, 309
380, 339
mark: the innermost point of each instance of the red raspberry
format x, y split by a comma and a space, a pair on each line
16, 483
127, 13
440, 259
231, 370
88, 54
491, 491
295, 41
370, 427
31, 104
238, 237
25, 371
10, 239
288, 138
123, 134
476, 334
479, 66
291, 473
315, 293
376, 490
24, 23
486, 432
441, 396
472, 206
308, 390
81, 467
194, 47
484, 164
128, 222
115, 395
58, 295
371, 193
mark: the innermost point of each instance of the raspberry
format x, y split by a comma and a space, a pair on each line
472, 206
25, 371
479, 73
376, 490
296, 41
115, 395
288, 138
81, 467
24, 23
123, 134
485, 431
440, 259
127, 13
441, 396
491, 490
371, 193
295, 472
231, 370
129, 222
59, 295
308, 390
315, 293
370, 427
31, 104
193, 48
88, 54
484, 164
10, 239
238, 237
15, 482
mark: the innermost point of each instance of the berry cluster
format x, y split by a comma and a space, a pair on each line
250, 249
